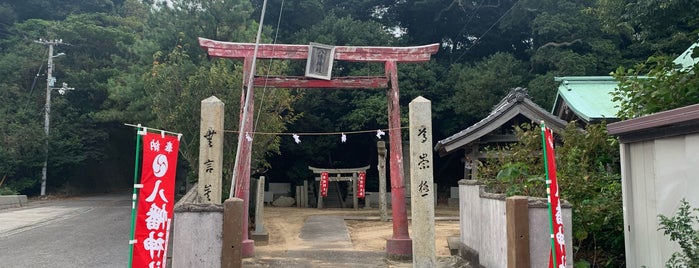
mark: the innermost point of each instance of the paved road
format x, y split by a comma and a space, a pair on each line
94, 232
75, 232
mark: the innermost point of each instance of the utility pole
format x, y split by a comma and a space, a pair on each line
50, 80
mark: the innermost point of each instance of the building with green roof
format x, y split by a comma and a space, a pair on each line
586, 99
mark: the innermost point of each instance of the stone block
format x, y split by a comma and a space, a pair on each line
197, 236
284, 201
280, 188
269, 197
454, 192
12, 201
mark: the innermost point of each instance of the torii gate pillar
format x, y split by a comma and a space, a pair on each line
400, 244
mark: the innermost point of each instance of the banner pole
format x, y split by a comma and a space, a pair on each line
135, 193
548, 193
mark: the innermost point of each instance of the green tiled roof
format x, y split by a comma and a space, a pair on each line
685, 59
587, 96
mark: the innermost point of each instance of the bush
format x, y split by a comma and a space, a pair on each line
7, 191
680, 230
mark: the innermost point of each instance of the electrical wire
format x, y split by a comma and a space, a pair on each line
31, 90
248, 96
470, 18
269, 69
486, 32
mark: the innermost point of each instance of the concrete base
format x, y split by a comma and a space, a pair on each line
471, 255
399, 249
197, 238
12, 201
261, 238
248, 248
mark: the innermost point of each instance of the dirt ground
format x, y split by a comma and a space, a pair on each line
284, 226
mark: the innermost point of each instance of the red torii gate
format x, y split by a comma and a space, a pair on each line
400, 244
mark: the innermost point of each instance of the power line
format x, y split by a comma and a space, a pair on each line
477, 40
269, 69
31, 90
470, 18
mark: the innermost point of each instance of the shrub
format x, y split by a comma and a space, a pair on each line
680, 230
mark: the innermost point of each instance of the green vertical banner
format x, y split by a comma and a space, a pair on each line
557, 258
134, 196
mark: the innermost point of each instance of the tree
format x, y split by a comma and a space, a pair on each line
467, 30
96, 46
56, 10
666, 87
658, 29
175, 87
483, 84
650, 26
183, 21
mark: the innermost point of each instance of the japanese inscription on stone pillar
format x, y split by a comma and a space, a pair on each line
210, 151
422, 181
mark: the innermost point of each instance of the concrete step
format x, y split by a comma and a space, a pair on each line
333, 198
453, 243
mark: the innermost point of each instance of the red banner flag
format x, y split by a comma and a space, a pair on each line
361, 185
324, 181
155, 201
557, 256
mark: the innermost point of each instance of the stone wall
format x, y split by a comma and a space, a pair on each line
483, 239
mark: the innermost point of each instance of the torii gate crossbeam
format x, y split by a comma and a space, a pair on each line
400, 245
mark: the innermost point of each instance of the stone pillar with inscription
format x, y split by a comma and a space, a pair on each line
422, 181
210, 151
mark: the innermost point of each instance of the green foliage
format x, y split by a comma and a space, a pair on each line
666, 87
4, 190
515, 177
483, 84
663, 26
681, 229
175, 87
588, 178
7, 191
516, 169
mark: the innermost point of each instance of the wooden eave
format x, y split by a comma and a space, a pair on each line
680, 121
496, 120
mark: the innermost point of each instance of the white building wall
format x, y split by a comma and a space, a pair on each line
656, 175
